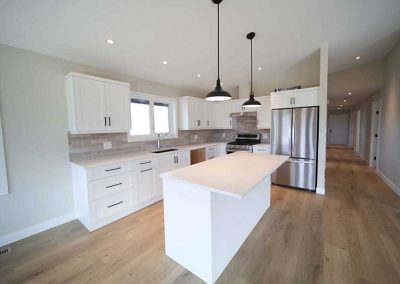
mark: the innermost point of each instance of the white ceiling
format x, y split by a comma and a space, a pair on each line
183, 32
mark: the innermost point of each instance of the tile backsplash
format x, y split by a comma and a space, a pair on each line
92, 144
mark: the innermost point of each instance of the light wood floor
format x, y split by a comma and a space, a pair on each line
350, 236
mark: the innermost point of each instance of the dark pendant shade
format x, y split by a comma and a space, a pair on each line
251, 102
218, 94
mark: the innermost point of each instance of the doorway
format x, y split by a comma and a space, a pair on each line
338, 128
358, 131
375, 127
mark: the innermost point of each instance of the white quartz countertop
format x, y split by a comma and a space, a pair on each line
233, 175
107, 159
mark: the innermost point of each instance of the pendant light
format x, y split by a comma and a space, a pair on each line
218, 94
251, 102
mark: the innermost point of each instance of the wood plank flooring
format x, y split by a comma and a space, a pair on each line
350, 236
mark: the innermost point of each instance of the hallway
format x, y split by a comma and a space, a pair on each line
350, 236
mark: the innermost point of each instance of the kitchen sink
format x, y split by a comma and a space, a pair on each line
163, 151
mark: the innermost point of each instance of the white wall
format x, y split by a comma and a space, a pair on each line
33, 107
323, 104
3, 170
389, 153
365, 108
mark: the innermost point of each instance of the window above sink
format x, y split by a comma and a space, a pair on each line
151, 115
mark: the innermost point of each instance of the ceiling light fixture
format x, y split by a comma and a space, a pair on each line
110, 41
198, 75
341, 105
218, 94
251, 102
165, 62
349, 94
358, 57
345, 101
259, 68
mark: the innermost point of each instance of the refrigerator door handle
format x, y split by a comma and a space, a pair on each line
303, 161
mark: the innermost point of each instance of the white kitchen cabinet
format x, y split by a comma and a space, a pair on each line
295, 98
210, 115
144, 185
165, 164
264, 113
189, 113
222, 115
97, 105
181, 159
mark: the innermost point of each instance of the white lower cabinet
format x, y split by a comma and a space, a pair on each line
262, 149
107, 193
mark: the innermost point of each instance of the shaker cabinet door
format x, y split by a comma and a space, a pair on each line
90, 104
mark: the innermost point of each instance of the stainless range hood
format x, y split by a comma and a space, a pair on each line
243, 114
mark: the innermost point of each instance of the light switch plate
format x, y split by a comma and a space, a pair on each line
195, 137
107, 145
223, 135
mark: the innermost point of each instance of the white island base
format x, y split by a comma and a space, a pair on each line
204, 229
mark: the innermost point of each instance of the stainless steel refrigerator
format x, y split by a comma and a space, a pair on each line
294, 133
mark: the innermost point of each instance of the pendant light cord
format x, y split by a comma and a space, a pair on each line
251, 66
218, 38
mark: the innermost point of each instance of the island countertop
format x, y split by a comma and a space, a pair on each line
232, 175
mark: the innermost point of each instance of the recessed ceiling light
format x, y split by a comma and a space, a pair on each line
341, 105
222, 84
198, 75
165, 62
259, 68
358, 57
349, 94
345, 101
110, 41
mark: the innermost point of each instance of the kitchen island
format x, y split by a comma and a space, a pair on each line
210, 208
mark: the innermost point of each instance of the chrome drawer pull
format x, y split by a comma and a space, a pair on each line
145, 170
118, 203
143, 163
114, 169
114, 185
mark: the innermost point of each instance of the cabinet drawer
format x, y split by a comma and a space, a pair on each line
109, 186
210, 152
112, 205
143, 164
109, 170
263, 150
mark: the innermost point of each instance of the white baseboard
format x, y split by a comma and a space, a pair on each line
35, 229
394, 187
320, 190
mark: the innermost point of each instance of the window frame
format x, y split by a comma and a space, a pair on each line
173, 117
3, 168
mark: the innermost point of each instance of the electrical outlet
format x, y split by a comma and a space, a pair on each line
223, 135
195, 137
107, 145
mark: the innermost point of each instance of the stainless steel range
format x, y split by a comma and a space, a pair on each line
244, 143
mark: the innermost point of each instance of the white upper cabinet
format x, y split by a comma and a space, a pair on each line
223, 111
295, 98
97, 105
264, 113
195, 113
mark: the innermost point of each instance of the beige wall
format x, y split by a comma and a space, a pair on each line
389, 145
365, 124
305, 73
34, 114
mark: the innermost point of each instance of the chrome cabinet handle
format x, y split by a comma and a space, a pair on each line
142, 171
105, 121
109, 121
115, 204
143, 163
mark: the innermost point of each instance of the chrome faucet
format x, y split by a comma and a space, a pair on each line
159, 138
